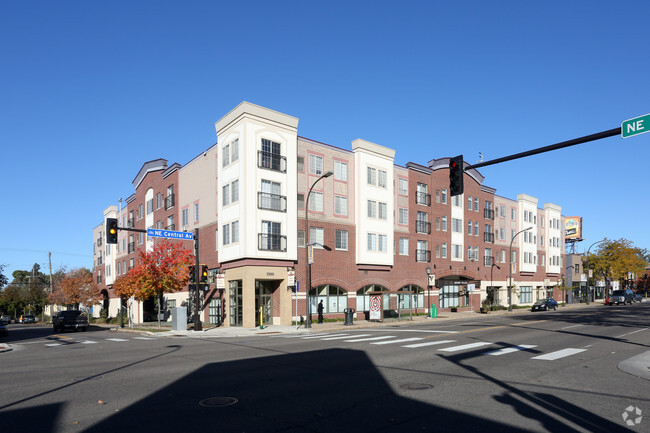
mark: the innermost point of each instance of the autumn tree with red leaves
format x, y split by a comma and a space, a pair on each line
75, 288
162, 270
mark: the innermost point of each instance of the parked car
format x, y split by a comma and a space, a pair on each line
544, 305
5, 319
69, 319
638, 298
618, 297
3, 330
27, 318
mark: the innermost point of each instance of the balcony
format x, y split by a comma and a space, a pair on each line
271, 161
422, 256
423, 198
130, 223
131, 247
488, 237
171, 227
270, 201
423, 227
269, 242
170, 201
488, 260
489, 214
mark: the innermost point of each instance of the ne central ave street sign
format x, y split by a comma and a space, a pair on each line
635, 126
169, 234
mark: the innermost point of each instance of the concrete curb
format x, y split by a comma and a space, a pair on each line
638, 365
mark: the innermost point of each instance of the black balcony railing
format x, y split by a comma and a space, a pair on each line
423, 227
422, 256
488, 237
130, 223
423, 198
488, 260
271, 161
171, 227
489, 214
270, 201
269, 242
170, 201
131, 247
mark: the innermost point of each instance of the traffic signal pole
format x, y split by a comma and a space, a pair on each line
197, 285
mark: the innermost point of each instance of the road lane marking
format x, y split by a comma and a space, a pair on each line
383, 337
116, 339
414, 330
88, 342
572, 326
430, 343
630, 333
558, 354
340, 337
506, 350
143, 338
54, 344
403, 340
321, 336
465, 346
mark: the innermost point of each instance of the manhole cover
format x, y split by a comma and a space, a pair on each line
416, 386
218, 401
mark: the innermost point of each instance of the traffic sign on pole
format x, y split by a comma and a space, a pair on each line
170, 234
635, 126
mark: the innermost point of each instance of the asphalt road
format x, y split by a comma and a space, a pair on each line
547, 372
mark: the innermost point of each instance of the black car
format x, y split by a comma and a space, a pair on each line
27, 318
3, 330
544, 305
5, 319
625, 296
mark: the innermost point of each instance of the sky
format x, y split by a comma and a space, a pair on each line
92, 90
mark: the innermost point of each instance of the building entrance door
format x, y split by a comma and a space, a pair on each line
264, 299
236, 308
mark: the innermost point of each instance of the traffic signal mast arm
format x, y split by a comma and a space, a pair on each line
586, 138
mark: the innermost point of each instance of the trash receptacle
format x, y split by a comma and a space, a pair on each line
434, 311
349, 316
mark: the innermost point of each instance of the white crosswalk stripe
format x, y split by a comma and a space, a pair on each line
88, 342
558, 354
311, 337
116, 339
340, 337
143, 338
507, 350
465, 346
402, 340
429, 343
383, 337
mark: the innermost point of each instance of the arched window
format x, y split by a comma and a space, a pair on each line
335, 298
417, 297
363, 299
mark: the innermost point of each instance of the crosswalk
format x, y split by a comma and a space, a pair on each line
67, 341
441, 346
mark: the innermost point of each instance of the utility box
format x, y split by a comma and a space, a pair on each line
179, 319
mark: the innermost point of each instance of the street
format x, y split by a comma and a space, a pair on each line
548, 371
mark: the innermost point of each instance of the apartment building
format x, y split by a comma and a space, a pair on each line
374, 227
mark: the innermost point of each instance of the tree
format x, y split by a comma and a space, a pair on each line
614, 259
162, 270
77, 288
3, 278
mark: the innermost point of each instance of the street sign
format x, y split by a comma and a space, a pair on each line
291, 278
169, 234
635, 126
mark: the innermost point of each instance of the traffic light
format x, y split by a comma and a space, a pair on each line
111, 230
456, 175
192, 274
204, 274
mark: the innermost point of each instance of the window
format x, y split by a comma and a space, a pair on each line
457, 201
383, 211
340, 171
444, 196
513, 213
226, 234
225, 196
470, 253
316, 201
301, 201
301, 238
158, 200
140, 212
438, 223
235, 190
502, 234
475, 229
271, 239
185, 219
469, 203
437, 196
234, 150
457, 251
315, 164
403, 246
372, 176
340, 205
503, 256
271, 156
456, 224
372, 209
234, 228
226, 155
502, 211
149, 206
469, 228
526, 294
317, 236
382, 246
403, 216
341, 240
437, 251
422, 253
422, 194
476, 204
476, 253
196, 212
402, 185
381, 181
301, 164
372, 242
444, 250
444, 223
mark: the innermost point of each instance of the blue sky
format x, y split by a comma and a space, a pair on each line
91, 90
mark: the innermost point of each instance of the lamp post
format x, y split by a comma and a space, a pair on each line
589, 269
510, 271
307, 246
428, 293
492, 280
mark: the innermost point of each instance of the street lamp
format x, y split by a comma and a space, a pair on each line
428, 293
589, 265
307, 246
510, 271
492, 280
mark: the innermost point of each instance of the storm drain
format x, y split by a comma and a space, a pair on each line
218, 401
415, 386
